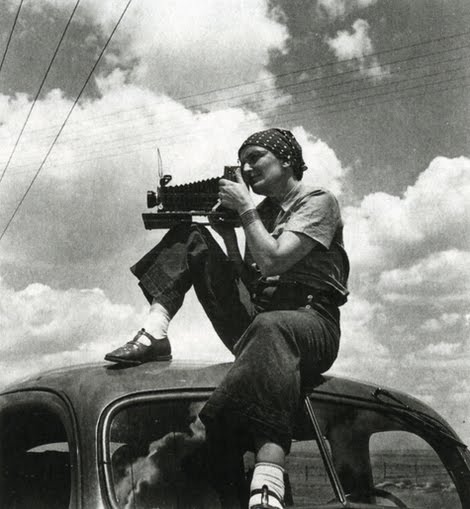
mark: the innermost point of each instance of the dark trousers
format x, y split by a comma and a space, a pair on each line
276, 350
279, 345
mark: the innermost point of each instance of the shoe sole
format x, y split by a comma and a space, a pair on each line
111, 358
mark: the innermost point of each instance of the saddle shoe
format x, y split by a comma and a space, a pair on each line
134, 352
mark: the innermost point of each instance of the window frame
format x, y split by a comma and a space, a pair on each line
105, 420
448, 455
104, 430
59, 406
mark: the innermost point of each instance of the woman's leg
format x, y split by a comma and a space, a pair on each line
261, 394
188, 256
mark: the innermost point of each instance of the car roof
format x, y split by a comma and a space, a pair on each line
100, 384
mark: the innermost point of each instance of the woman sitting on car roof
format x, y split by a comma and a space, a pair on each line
276, 309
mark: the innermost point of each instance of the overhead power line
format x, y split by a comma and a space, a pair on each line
39, 90
288, 117
305, 114
259, 94
302, 70
318, 102
11, 34
321, 66
291, 121
66, 118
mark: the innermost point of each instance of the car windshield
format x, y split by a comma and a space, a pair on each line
155, 456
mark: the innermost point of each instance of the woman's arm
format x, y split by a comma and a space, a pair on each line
273, 256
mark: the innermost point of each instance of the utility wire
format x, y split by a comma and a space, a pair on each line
318, 102
321, 66
66, 118
101, 132
317, 88
252, 103
297, 118
319, 110
11, 34
291, 121
289, 117
39, 90
275, 76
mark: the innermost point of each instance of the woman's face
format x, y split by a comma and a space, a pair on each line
263, 171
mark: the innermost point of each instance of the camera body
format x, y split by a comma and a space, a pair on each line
179, 203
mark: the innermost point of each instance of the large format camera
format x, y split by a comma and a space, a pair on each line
180, 203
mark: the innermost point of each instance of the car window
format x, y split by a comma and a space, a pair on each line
406, 467
309, 484
385, 457
35, 461
156, 456
158, 459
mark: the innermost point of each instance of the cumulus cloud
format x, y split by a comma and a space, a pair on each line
446, 320
443, 349
409, 266
357, 46
325, 169
180, 47
361, 355
339, 8
44, 327
440, 276
432, 215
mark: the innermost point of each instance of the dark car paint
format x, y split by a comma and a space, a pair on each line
86, 394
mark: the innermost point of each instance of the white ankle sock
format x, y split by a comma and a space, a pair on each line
156, 323
272, 476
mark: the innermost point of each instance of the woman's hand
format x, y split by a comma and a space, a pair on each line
235, 195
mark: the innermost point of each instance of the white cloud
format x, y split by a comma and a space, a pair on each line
361, 354
387, 231
325, 169
443, 276
442, 349
43, 328
357, 45
40, 323
446, 320
181, 47
352, 45
338, 8
413, 249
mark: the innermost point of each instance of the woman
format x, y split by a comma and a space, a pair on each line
276, 309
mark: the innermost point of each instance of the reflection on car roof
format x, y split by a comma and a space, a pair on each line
100, 384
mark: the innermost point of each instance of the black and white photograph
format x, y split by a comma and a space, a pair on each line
234, 254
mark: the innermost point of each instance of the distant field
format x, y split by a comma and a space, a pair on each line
416, 477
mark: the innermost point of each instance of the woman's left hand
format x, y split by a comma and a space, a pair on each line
235, 195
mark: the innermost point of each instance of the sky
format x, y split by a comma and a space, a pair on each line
377, 93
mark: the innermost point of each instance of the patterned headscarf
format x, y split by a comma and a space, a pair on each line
281, 143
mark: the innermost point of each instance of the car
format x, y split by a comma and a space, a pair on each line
105, 436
